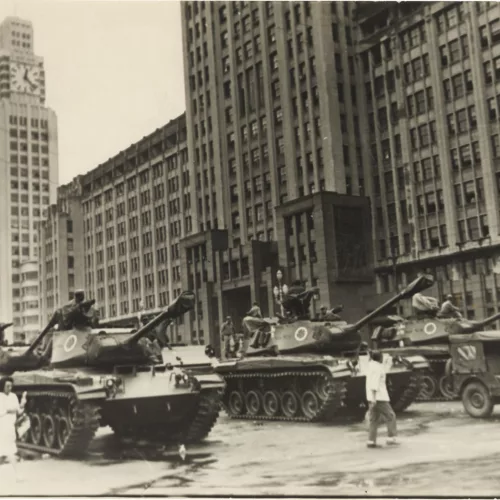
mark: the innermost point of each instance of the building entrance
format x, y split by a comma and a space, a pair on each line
237, 302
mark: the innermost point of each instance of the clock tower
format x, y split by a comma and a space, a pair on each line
28, 175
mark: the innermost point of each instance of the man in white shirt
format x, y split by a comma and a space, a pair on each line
378, 399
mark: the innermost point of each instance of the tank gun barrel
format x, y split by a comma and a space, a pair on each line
54, 320
421, 283
180, 306
487, 321
4, 326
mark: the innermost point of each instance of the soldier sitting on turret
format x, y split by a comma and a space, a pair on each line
77, 313
425, 307
297, 300
255, 311
448, 310
329, 315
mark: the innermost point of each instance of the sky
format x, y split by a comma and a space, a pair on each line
113, 70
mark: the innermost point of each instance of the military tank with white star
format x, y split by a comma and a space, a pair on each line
309, 370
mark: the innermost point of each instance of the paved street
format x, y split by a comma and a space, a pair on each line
439, 444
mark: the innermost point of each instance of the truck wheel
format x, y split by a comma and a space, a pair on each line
477, 400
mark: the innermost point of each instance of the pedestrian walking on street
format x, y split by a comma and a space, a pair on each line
378, 400
10, 409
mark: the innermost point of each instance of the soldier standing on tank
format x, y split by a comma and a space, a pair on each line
227, 333
379, 405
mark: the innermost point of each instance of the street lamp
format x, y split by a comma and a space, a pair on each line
139, 312
280, 290
394, 259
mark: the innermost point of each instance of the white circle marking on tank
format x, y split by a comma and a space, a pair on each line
300, 333
70, 343
430, 328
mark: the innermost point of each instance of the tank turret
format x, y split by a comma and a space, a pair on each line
396, 331
304, 335
79, 341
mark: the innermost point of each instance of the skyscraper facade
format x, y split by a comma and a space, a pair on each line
272, 94
391, 100
61, 251
28, 163
430, 72
136, 206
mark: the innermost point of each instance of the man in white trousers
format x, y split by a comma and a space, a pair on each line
378, 399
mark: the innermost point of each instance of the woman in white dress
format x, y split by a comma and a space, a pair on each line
10, 409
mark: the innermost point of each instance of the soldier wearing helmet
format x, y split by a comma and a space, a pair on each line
448, 310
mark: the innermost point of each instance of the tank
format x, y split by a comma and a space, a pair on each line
427, 337
81, 376
309, 370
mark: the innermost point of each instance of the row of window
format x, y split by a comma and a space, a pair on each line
22, 121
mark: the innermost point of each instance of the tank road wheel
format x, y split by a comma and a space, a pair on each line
252, 401
429, 386
271, 403
309, 404
446, 387
477, 400
289, 404
35, 431
49, 431
236, 405
63, 426
323, 387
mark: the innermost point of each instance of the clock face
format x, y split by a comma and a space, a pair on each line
25, 78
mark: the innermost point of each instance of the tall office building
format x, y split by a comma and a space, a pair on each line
431, 73
391, 100
60, 250
273, 130
28, 162
136, 207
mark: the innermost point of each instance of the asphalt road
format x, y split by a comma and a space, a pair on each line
442, 452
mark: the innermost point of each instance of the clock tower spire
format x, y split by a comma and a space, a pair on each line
29, 175
25, 80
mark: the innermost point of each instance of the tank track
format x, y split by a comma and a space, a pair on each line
82, 426
207, 414
436, 372
402, 400
328, 407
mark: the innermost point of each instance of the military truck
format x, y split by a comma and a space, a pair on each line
428, 337
475, 371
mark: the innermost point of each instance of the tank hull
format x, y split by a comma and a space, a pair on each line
310, 388
66, 407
